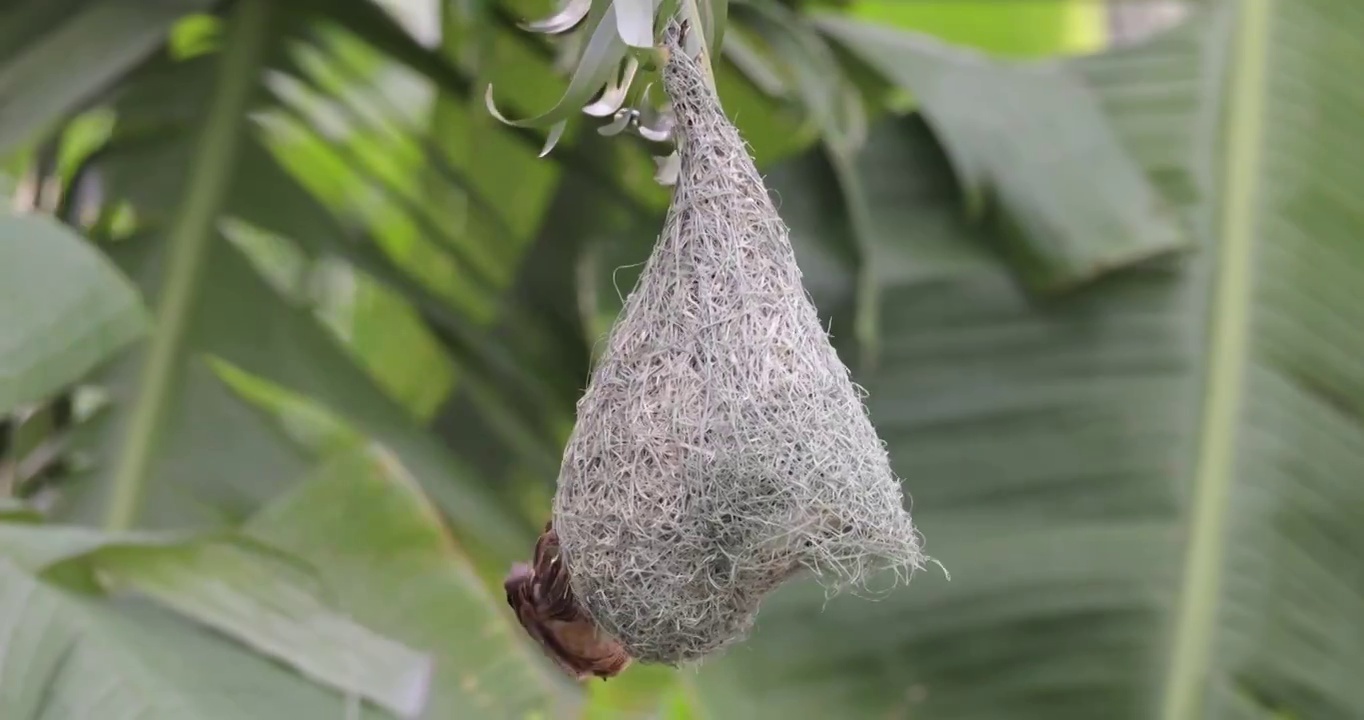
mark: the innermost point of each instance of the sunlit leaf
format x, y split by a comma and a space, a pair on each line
371, 22
1027, 29
205, 480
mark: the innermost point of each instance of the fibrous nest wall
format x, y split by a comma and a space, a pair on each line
721, 446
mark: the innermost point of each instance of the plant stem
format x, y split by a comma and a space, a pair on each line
867, 300
1188, 678
189, 236
692, 14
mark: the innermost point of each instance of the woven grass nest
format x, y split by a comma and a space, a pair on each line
721, 447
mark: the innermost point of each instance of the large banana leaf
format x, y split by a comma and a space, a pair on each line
1271, 600
380, 547
53, 280
1147, 493
245, 590
66, 657
356, 546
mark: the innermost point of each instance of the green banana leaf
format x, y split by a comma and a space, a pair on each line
248, 591
1147, 494
379, 545
68, 657
66, 309
329, 579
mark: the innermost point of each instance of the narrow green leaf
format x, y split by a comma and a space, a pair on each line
246, 590
277, 613
1080, 204
65, 657
1229, 361
16, 510
614, 95
856, 203
556, 131
25, 21
61, 67
218, 460
635, 22
564, 329
826, 93
380, 545
754, 66
569, 14
64, 309
599, 59
717, 15
369, 21
39, 547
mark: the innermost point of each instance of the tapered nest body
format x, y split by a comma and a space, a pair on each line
721, 446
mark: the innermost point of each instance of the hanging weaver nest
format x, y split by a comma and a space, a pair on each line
721, 447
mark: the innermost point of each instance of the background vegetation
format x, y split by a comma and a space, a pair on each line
291, 331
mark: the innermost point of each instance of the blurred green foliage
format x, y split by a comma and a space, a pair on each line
292, 329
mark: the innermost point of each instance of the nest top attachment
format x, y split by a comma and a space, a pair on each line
721, 447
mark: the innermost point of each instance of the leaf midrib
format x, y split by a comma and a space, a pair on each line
1192, 644
190, 235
